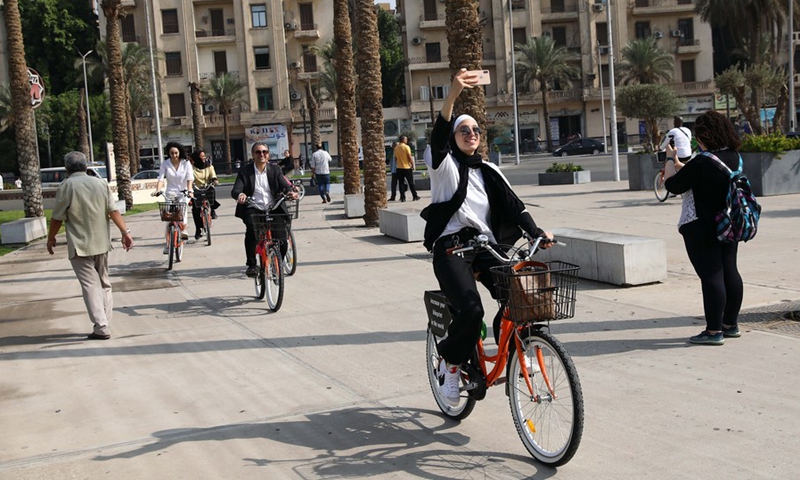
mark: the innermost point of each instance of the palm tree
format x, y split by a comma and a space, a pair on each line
197, 113
136, 75
465, 50
345, 96
540, 60
112, 10
225, 92
83, 131
6, 108
25, 134
643, 62
371, 99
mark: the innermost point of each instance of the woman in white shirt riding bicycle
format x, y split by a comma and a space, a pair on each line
178, 174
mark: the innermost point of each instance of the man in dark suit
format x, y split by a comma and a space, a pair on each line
262, 182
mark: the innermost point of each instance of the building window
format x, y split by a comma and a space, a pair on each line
686, 27
128, 28
602, 33
560, 36
173, 60
307, 16
520, 36
169, 18
265, 99
259, 14
429, 10
309, 60
177, 105
262, 57
517, 4
688, 73
440, 91
433, 53
642, 30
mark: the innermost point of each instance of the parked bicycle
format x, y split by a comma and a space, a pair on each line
172, 210
203, 197
269, 263
541, 380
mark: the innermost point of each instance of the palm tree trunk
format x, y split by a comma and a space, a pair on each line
226, 135
345, 97
24, 131
370, 90
313, 115
116, 85
133, 151
83, 131
464, 37
197, 114
546, 119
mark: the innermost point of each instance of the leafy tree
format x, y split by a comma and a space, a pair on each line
6, 108
749, 85
393, 61
225, 92
650, 102
541, 61
643, 62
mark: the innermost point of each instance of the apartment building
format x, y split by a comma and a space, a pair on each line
578, 25
265, 44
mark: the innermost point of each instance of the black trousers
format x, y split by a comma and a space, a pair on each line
715, 264
395, 180
406, 176
457, 280
280, 225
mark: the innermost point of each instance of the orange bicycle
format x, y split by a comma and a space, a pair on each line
172, 210
203, 196
541, 380
269, 263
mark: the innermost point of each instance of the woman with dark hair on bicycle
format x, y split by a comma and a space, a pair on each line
469, 197
178, 175
204, 176
704, 186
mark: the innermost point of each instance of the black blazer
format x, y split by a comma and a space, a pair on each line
246, 183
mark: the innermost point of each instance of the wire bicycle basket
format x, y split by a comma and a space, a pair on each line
171, 211
268, 222
536, 291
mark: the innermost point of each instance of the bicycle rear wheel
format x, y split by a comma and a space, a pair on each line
274, 278
207, 225
465, 405
550, 425
290, 260
658, 187
171, 242
259, 279
301, 191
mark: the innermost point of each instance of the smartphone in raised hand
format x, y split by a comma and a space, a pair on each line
483, 76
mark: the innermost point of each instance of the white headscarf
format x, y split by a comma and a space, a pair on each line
460, 119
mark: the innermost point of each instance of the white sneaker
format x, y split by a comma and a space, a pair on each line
165, 251
452, 380
184, 236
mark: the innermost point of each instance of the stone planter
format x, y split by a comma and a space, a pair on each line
769, 175
354, 205
641, 170
565, 178
422, 183
495, 158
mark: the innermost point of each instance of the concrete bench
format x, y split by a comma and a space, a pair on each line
610, 257
404, 224
23, 231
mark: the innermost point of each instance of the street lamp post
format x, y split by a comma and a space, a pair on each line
602, 99
611, 82
305, 134
88, 111
514, 84
792, 109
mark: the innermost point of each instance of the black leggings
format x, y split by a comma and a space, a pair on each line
456, 276
715, 264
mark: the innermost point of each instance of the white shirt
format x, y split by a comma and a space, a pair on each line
474, 212
683, 141
320, 162
176, 177
262, 195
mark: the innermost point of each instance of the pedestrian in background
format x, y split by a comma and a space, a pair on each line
321, 169
681, 138
405, 168
705, 186
18, 183
85, 204
393, 170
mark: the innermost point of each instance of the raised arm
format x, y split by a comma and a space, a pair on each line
442, 126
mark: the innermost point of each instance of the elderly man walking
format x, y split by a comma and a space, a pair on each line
85, 204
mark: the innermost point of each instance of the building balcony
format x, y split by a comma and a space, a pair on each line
663, 7
431, 21
426, 63
206, 76
307, 31
559, 11
128, 3
213, 37
689, 45
693, 88
323, 114
308, 75
216, 120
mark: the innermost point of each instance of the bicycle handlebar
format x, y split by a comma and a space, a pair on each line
280, 199
160, 193
524, 253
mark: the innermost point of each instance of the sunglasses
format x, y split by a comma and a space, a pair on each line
262, 152
466, 131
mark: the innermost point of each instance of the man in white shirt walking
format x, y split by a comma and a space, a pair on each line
682, 137
321, 168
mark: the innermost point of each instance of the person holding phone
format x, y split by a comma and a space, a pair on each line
469, 197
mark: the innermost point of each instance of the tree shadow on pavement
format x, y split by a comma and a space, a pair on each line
360, 443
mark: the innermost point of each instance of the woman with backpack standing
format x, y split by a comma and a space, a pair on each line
704, 186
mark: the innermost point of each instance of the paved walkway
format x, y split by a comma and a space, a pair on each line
201, 381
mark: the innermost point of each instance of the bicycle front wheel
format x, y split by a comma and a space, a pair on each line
290, 260
207, 225
465, 405
178, 245
259, 279
658, 187
274, 279
171, 232
549, 422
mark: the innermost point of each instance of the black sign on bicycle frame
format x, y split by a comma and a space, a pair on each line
439, 317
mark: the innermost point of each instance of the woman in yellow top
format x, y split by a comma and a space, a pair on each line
204, 177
